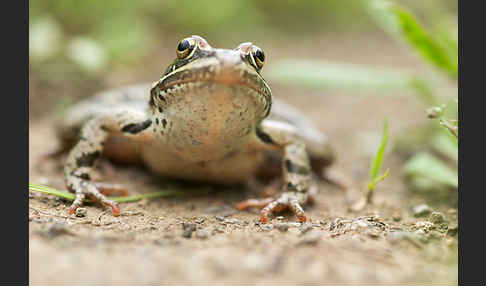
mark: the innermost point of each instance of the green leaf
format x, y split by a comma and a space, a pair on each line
446, 144
375, 181
401, 23
332, 75
425, 167
378, 158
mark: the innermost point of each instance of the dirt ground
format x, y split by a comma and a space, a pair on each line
153, 242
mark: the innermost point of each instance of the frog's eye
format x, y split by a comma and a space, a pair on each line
257, 57
186, 48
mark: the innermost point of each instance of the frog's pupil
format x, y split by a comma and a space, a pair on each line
260, 55
183, 45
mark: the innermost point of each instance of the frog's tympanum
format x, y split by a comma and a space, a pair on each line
210, 117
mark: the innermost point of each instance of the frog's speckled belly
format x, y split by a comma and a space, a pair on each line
236, 167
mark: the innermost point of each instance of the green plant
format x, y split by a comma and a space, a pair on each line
375, 167
376, 163
424, 171
123, 199
438, 48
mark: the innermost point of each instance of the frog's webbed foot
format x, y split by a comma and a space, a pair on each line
83, 156
297, 175
84, 188
287, 200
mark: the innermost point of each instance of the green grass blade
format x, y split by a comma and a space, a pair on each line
134, 198
51, 191
378, 158
400, 22
373, 183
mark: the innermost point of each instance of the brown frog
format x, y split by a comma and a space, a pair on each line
211, 117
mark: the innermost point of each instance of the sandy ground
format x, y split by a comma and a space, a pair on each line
152, 243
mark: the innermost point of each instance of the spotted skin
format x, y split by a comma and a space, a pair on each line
211, 117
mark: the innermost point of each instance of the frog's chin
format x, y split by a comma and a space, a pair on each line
205, 155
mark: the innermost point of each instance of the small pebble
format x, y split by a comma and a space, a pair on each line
267, 227
421, 210
397, 217
231, 221
426, 226
57, 229
373, 234
199, 220
359, 224
283, 227
396, 236
220, 218
81, 212
188, 228
305, 227
421, 235
202, 234
419, 232
310, 238
218, 229
437, 218
452, 231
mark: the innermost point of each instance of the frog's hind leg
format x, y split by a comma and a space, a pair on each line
108, 189
296, 166
94, 134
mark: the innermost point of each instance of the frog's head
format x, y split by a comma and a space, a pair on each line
214, 98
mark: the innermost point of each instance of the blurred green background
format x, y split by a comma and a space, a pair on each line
84, 42
79, 47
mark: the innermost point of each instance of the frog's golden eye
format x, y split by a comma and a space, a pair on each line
186, 48
257, 57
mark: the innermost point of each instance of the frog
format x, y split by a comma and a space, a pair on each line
211, 117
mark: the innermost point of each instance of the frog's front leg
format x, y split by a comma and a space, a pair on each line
81, 159
297, 175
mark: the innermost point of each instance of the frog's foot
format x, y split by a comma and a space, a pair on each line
255, 203
86, 188
287, 200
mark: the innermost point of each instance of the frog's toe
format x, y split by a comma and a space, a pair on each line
115, 208
286, 201
78, 201
255, 203
89, 189
109, 189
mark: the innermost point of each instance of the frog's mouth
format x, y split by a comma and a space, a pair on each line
231, 75
225, 76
